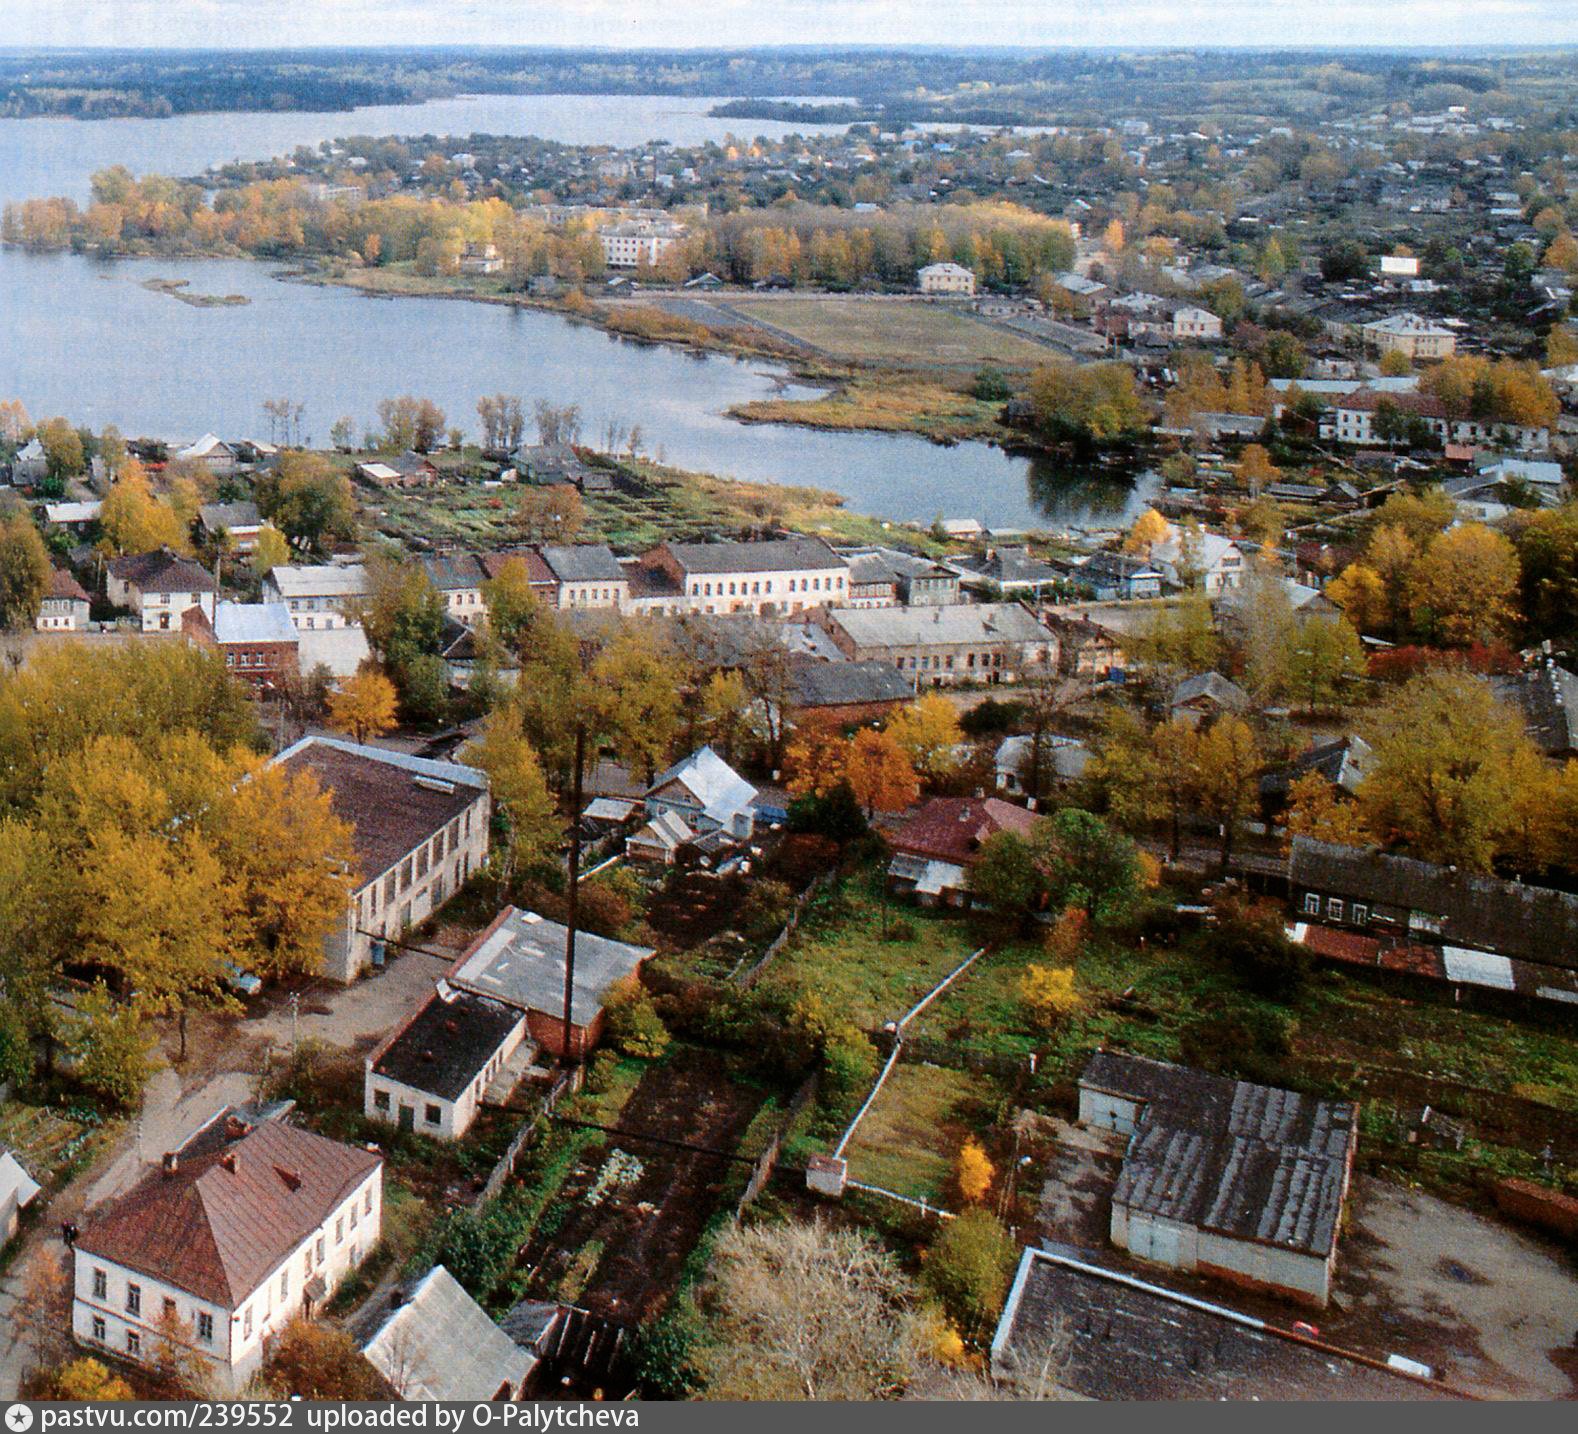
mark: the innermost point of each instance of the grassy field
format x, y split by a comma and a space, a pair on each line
888, 405
895, 332
909, 1140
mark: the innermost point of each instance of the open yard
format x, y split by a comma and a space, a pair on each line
909, 1140
901, 332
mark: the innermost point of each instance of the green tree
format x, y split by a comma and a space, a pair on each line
1323, 656
1005, 877
1084, 863
520, 791
113, 1048
968, 1268
24, 572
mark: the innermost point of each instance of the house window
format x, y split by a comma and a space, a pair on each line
284, 1285
133, 1343
380, 1100
421, 864
339, 1231
134, 1299
367, 1199
1312, 903
246, 1323
432, 1114
1361, 914
101, 1284
355, 1215
306, 1263
1334, 907
98, 1327
405, 873
389, 888
320, 1249
205, 1327
169, 1308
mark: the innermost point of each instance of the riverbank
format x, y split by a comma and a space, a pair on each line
181, 289
890, 403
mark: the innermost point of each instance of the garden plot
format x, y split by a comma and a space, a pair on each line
633, 1207
909, 1140
50, 1143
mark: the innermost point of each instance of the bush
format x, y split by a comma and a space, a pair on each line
967, 1268
1247, 1043
991, 386
634, 1026
992, 718
849, 1063
16, 1050
1250, 939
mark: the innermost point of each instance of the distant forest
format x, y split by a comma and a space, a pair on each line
971, 86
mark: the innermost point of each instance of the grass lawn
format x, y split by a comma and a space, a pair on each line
894, 331
910, 1138
840, 955
887, 405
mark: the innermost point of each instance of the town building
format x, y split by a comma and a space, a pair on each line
782, 575
65, 605
845, 694
936, 646
1546, 697
1075, 1327
701, 802
934, 850
1242, 1182
418, 829
945, 279
458, 579
1370, 417
404, 470
1392, 912
519, 961
1193, 322
1084, 649
587, 575
636, 242
1344, 762
249, 1224
481, 259
1204, 696
1119, 577
1061, 759
539, 576
240, 522
437, 1343
158, 587
887, 577
1010, 572
259, 643
430, 1074
321, 596
18, 1190
210, 452
1411, 335
1191, 558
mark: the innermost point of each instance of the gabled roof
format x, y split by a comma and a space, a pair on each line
223, 1221
454, 572
774, 556
441, 1344
1219, 690
319, 580
204, 447
230, 516
392, 802
445, 1043
162, 571
840, 684
63, 586
953, 829
719, 790
15, 1183
1536, 923
254, 622
582, 563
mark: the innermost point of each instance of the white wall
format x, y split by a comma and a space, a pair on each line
454, 1116
1106, 1111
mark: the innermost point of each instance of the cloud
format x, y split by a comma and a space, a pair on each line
241, 23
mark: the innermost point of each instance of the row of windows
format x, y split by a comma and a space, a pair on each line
757, 589
1335, 907
945, 663
247, 659
431, 1114
101, 1288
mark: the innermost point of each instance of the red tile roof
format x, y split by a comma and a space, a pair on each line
953, 828
63, 585
224, 1221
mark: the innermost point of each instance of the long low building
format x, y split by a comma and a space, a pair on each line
1222, 1177
936, 646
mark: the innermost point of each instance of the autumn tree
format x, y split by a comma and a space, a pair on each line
1254, 469
85, 1380
111, 1047
1226, 789
1547, 548
550, 514
928, 732
1319, 809
817, 759
309, 500
1149, 529
1084, 863
723, 701
1464, 587
24, 572
879, 773
1441, 779
310, 1360
1361, 594
864, 1343
132, 520
1050, 994
1094, 402
63, 452
1179, 637
410, 423
272, 550
1322, 656
520, 791
973, 1172
968, 1268
364, 706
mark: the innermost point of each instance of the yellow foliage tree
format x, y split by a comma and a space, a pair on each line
1315, 809
974, 1172
1360, 593
928, 731
364, 706
519, 788
132, 520
87, 1379
1149, 529
879, 773
1465, 586
271, 551
1050, 993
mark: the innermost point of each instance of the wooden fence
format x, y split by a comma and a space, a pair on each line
750, 977
767, 1161
565, 1083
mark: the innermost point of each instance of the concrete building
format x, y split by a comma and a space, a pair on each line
1192, 322
945, 279
1242, 1182
936, 646
319, 596
587, 574
783, 575
418, 828
1411, 335
519, 961
888, 577
430, 1074
259, 643
1354, 420
249, 1224
18, 1190
458, 578
637, 242
158, 587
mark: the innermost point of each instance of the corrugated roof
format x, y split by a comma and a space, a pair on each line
254, 622
775, 555
583, 563
953, 624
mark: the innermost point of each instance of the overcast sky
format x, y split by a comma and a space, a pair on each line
749, 22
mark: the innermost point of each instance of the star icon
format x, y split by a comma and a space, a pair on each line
18, 1418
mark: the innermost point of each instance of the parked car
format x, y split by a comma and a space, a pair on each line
239, 979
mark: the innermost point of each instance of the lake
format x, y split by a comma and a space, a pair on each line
85, 339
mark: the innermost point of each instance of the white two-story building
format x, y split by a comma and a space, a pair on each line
320, 596
251, 1223
774, 578
419, 829
158, 587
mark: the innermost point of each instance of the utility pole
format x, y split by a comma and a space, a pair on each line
574, 903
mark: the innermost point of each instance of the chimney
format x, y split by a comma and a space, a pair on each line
228, 1161
292, 1178
172, 1162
